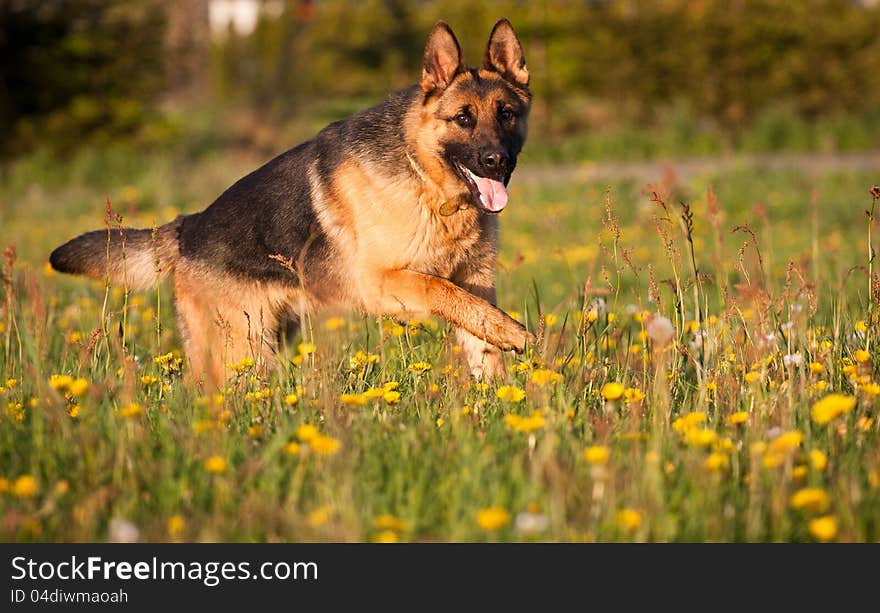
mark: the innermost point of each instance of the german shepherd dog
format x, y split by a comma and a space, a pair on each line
391, 211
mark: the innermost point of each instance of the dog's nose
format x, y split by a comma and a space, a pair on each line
495, 161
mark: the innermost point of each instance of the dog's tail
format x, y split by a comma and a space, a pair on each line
137, 259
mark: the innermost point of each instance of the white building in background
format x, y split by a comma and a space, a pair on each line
241, 16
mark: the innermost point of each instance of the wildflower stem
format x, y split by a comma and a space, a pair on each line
874, 197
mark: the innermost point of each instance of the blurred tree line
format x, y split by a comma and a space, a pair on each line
77, 68
104, 68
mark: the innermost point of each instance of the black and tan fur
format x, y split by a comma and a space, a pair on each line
374, 213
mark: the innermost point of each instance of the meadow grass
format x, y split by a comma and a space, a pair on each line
706, 371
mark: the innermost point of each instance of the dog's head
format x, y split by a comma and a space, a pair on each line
476, 118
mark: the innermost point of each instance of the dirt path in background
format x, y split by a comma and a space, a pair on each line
688, 168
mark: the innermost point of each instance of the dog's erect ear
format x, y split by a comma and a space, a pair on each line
504, 54
443, 59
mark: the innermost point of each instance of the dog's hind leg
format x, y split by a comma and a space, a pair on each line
195, 324
225, 321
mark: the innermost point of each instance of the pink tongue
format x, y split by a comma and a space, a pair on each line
493, 194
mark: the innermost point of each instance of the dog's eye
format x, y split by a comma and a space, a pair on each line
506, 115
464, 119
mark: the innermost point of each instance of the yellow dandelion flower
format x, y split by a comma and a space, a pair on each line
78, 387
440, 421
353, 400
831, 406
864, 423
242, 365
292, 448
787, 441
374, 393
362, 359
324, 445
148, 380
597, 454
492, 518
387, 521
391, 397
335, 323
525, 424
215, 465
567, 361
60, 382
740, 417
632, 395
131, 410
752, 376
823, 528
817, 368
773, 460
4, 485
320, 516
306, 432
419, 367
386, 536
700, 437
510, 393
799, 472
255, 431
543, 376
15, 410
871, 389
813, 499
724, 444
291, 400
629, 520
818, 459
176, 525
861, 356
861, 326
612, 391
306, 348
25, 487
715, 461
818, 386
688, 421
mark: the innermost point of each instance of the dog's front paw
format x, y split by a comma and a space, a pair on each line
520, 337
508, 334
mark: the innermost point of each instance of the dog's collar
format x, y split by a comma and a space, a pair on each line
451, 206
